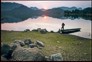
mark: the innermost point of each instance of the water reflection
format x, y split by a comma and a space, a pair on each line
45, 17
51, 24
72, 17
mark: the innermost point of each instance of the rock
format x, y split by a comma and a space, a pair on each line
27, 54
8, 55
58, 41
32, 45
41, 44
43, 31
56, 57
59, 47
47, 58
27, 30
16, 41
5, 49
20, 42
3, 58
1, 43
14, 46
27, 41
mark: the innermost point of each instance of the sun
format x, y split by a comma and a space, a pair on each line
45, 8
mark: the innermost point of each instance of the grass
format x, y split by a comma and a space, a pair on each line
71, 47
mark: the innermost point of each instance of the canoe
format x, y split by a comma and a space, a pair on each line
67, 31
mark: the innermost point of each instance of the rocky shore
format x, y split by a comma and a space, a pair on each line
26, 50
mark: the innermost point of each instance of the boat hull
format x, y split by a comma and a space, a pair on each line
67, 31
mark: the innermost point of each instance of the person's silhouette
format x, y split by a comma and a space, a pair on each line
62, 26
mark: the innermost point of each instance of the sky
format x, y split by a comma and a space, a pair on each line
52, 4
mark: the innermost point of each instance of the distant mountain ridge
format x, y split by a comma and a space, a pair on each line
70, 8
34, 8
9, 6
18, 12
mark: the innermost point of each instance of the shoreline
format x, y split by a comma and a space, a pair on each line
54, 32
82, 36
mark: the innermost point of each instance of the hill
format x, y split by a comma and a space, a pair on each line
16, 11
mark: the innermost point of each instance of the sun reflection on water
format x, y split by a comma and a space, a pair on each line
45, 17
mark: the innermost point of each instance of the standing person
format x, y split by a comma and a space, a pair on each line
62, 26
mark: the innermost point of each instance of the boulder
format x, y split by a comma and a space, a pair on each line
27, 54
20, 42
56, 57
27, 41
32, 45
27, 30
1, 43
8, 55
5, 49
16, 41
3, 58
47, 58
43, 31
14, 46
39, 43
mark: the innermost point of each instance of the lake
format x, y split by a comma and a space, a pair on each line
51, 24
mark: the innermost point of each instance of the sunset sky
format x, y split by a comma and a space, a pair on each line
51, 4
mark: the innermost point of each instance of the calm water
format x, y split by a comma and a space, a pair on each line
51, 24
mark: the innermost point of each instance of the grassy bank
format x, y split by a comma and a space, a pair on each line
71, 47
